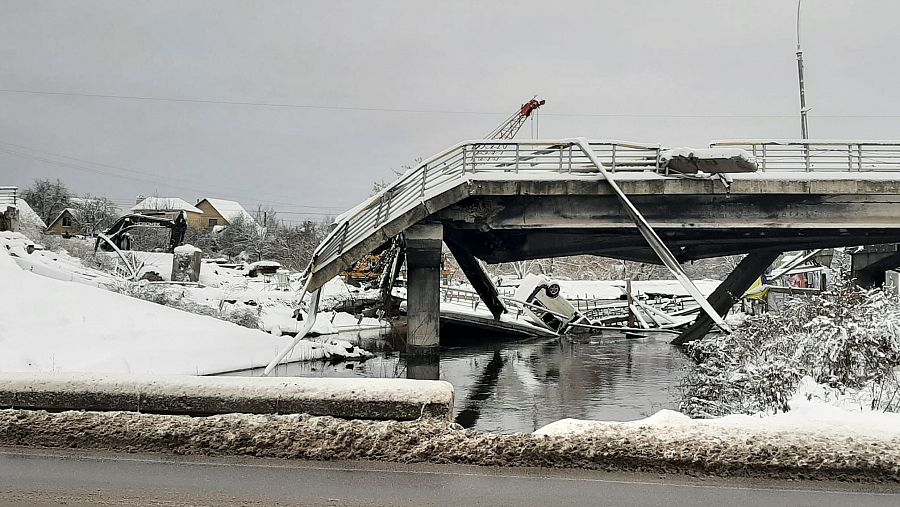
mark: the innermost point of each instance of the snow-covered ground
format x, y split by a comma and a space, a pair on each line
50, 324
815, 410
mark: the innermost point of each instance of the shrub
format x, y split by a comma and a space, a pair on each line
845, 338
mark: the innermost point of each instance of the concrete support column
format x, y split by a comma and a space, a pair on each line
423, 296
186, 264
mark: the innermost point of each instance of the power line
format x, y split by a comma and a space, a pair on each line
422, 111
243, 103
139, 176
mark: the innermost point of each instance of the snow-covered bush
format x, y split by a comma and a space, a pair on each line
246, 317
845, 338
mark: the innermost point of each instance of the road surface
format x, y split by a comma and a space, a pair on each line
74, 477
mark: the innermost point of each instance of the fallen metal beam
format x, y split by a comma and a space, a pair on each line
653, 239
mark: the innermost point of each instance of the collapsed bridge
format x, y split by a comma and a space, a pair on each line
508, 200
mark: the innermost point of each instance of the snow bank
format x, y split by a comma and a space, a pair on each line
621, 447
816, 411
52, 325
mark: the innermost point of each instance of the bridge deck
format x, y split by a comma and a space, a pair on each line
508, 200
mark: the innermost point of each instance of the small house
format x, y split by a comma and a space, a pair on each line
65, 224
221, 212
169, 207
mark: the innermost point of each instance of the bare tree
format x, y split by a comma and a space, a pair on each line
47, 198
94, 213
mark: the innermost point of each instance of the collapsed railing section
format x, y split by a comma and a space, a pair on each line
451, 166
819, 155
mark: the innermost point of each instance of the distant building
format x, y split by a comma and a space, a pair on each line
66, 223
221, 212
169, 207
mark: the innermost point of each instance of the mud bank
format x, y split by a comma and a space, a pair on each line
618, 447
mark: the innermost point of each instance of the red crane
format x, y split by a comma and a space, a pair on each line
509, 128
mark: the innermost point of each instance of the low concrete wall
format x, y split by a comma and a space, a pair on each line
397, 399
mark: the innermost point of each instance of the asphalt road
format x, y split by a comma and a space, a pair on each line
55, 477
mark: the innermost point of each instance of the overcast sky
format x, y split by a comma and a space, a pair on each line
355, 89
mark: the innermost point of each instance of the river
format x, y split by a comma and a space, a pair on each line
517, 387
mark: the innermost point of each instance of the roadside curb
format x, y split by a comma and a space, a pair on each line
377, 399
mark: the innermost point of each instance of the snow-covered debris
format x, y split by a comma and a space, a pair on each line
709, 160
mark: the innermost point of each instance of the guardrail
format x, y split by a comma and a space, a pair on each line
8, 196
453, 165
787, 155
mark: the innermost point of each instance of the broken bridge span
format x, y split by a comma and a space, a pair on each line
508, 200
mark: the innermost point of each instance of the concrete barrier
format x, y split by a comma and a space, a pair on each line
363, 398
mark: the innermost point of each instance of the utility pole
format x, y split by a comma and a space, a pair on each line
804, 129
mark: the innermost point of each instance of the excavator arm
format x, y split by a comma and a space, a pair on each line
118, 232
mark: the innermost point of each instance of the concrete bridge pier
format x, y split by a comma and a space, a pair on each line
423, 298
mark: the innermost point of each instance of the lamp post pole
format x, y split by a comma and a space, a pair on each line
804, 129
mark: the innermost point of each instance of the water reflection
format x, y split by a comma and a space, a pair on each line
521, 386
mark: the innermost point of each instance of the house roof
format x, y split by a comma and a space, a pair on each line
71, 212
164, 204
230, 210
28, 216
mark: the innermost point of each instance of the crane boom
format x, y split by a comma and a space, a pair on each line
510, 127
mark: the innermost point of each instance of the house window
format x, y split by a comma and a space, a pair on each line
213, 222
67, 221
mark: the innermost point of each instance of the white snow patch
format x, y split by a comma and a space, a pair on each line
815, 410
52, 325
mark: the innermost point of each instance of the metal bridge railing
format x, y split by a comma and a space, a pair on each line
8, 197
458, 162
819, 155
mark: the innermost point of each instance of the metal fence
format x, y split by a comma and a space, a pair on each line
8, 197
819, 156
453, 165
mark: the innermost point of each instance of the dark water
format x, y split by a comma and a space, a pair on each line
520, 386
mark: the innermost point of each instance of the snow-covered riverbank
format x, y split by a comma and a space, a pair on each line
48, 324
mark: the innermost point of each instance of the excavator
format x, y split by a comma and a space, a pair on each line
117, 235
370, 267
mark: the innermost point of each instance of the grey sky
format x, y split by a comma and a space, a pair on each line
679, 72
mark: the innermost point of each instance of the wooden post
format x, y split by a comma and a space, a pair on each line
630, 299
729, 291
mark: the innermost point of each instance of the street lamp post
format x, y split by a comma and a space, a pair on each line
804, 129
